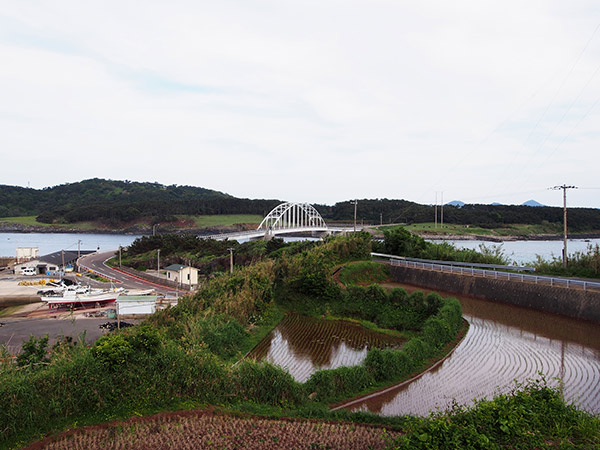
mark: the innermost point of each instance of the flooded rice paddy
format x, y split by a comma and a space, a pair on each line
504, 343
302, 345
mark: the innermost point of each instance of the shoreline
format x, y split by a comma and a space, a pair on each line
28, 229
508, 238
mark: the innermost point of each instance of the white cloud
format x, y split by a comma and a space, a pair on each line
313, 101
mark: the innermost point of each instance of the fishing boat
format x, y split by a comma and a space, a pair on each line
79, 295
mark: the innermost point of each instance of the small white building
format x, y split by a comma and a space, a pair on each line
27, 253
136, 304
184, 275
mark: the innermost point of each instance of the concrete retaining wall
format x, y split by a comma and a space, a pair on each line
574, 303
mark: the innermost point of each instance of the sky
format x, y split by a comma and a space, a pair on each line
310, 101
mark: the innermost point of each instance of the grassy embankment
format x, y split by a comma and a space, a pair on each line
31, 221
520, 230
223, 220
184, 357
187, 221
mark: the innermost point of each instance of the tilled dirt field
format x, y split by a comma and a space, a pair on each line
208, 429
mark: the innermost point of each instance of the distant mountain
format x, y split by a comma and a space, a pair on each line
456, 203
532, 203
496, 204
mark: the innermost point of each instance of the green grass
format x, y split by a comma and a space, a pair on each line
199, 221
363, 273
24, 220
31, 221
463, 230
223, 220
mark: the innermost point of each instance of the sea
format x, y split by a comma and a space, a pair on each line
519, 252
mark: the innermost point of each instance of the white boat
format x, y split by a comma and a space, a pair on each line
77, 294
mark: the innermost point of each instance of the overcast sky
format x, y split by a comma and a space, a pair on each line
317, 101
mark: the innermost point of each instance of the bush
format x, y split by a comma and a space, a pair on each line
112, 350
437, 332
266, 383
334, 384
34, 352
531, 416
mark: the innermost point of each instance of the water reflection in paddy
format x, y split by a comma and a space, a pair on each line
303, 344
504, 343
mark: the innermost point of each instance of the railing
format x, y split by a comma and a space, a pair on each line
568, 283
255, 233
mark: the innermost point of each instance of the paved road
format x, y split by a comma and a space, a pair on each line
14, 331
95, 262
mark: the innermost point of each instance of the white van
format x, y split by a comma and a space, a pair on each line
28, 271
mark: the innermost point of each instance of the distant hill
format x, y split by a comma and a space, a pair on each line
115, 204
532, 203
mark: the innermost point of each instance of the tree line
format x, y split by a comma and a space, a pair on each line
118, 202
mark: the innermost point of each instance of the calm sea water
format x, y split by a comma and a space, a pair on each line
54, 242
523, 252
518, 251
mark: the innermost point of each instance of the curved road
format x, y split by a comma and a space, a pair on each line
96, 263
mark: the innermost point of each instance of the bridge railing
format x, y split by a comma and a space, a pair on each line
568, 283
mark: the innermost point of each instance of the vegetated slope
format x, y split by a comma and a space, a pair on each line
116, 202
487, 216
121, 201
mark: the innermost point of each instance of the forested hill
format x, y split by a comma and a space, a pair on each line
118, 202
487, 216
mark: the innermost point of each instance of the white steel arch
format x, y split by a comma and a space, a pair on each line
293, 216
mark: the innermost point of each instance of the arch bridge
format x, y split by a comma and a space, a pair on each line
292, 217
287, 218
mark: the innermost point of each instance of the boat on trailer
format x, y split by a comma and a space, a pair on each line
79, 295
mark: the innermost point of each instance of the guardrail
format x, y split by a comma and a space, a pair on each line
459, 263
568, 283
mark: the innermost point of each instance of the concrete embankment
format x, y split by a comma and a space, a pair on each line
575, 303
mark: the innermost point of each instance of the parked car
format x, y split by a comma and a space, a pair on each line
29, 271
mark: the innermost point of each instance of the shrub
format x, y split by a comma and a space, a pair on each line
437, 332
266, 383
112, 350
332, 384
531, 416
34, 352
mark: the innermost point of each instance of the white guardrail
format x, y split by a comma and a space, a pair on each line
569, 283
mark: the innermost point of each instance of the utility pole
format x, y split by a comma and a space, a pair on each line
230, 259
564, 187
355, 202
435, 208
120, 256
442, 210
380, 218
158, 263
78, 253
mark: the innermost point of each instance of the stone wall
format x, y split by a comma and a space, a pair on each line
575, 303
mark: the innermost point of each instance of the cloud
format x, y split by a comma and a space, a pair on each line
308, 101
